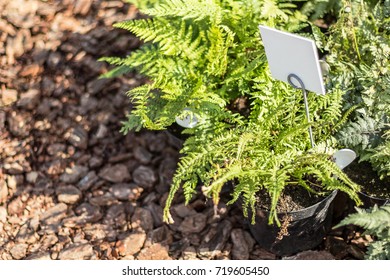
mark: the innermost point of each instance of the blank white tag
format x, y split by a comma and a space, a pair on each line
189, 121
344, 157
292, 54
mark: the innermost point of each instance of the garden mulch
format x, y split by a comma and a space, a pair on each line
71, 185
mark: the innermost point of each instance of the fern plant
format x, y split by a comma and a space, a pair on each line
268, 152
376, 222
359, 49
380, 157
202, 55
319, 9
199, 55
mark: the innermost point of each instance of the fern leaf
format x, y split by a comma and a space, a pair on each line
271, 9
188, 9
221, 39
378, 218
116, 72
380, 159
364, 133
376, 221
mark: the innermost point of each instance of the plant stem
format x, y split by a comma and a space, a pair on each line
354, 33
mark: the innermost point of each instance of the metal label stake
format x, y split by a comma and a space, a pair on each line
289, 53
293, 59
302, 87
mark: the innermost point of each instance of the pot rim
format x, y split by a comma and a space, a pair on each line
384, 200
310, 209
328, 197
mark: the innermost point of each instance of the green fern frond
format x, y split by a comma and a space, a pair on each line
133, 123
343, 120
380, 159
139, 97
272, 9
376, 221
188, 9
116, 72
144, 57
278, 180
207, 54
112, 60
189, 187
317, 9
225, 175
364, 133
148, 29
221, 39
285, 138
318, 36
244, 139
173, 37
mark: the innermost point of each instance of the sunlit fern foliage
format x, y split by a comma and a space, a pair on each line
380, 157
320, 9
269, 151
376, 222
359, 51
198, 54
203, 55
317, 9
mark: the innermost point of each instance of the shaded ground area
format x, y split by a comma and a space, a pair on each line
72, 186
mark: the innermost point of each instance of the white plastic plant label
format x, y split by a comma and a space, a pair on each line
189, 120
292, 54
344, 157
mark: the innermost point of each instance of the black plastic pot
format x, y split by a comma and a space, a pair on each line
176, 131
370, 201
306, 228
362, 173
175, 137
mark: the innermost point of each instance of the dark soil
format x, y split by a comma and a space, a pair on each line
363, 174
292, 199
176, 131
240, 105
